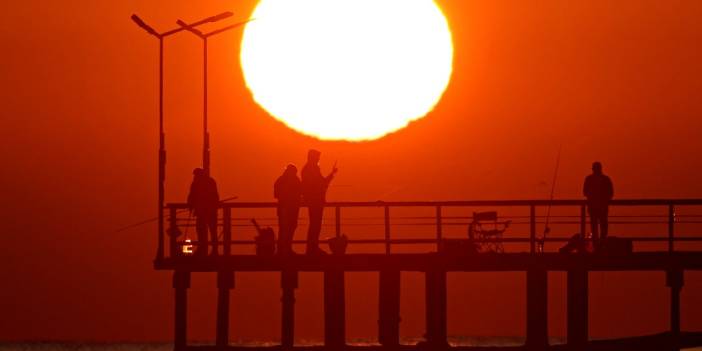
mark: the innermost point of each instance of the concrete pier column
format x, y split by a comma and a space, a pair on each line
578, 308
181, 284
537, 309
675, 280
389, 309
334, 309
288, 283
225, 282
435, 294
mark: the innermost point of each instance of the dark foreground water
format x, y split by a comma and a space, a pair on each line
125, 346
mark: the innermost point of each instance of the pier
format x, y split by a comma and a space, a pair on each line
525, 251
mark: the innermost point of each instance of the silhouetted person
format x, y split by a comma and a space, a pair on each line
599, 191
288, 190
203, 200
314, 189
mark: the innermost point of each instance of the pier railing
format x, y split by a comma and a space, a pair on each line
652, 221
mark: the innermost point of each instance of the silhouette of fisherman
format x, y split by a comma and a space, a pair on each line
314, 189
599, 191
288, 190
203, 200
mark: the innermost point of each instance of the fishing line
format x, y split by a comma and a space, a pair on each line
547, 229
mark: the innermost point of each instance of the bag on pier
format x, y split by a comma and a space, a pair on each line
576, 244
265, 240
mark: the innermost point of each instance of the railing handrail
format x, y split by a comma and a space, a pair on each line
464, 203
532, 239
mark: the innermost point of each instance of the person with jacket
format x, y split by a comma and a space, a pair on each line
598, 190
203, 201
288, 190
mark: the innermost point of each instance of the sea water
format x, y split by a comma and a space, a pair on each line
127, 346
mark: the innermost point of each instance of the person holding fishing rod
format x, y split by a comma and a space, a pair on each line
314, 190
203, 201
598, 190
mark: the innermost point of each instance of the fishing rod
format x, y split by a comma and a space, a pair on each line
547, 229
146, 221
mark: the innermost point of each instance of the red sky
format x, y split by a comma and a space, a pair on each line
619, 82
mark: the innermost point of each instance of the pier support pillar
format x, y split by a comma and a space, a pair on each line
225, 282
675, 280
389, 309
288, 283
334, 309
537, 309
181, 283
578, 308
435, 294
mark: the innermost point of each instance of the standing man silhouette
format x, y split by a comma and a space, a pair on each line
288, 190
203, 199
314, 190
599, 191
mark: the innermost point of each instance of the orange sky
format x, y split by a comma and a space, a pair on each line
619, 82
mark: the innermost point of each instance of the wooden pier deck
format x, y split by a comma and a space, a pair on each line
417, 262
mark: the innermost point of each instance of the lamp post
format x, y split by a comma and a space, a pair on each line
161, 133
206, 134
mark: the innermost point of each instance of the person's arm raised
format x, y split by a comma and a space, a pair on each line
332, 173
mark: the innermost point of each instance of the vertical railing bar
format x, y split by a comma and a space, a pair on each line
583, 222
532, 229
227, 230
337, 220
439, 229
160, 250
671, 227
173, 219
387, 230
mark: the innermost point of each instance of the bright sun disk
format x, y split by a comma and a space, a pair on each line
347, 69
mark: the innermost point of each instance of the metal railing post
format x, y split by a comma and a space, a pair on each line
439, 229
532, 229
671, 227
583, 221
161, 234
227, 230
173, 222
387, 230
337, 220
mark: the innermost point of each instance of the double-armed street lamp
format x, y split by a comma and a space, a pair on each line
162, 137
192, 28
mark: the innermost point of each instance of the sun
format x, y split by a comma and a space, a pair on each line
347, 69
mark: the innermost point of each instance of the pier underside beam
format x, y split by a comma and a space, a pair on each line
675, 280
181, 284
288, 283
578, 308
389, 309
334, 309
436, 308
225, 282
537, 309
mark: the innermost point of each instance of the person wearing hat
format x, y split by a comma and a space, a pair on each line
314, 190
287, 189
203, 201
599, 191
